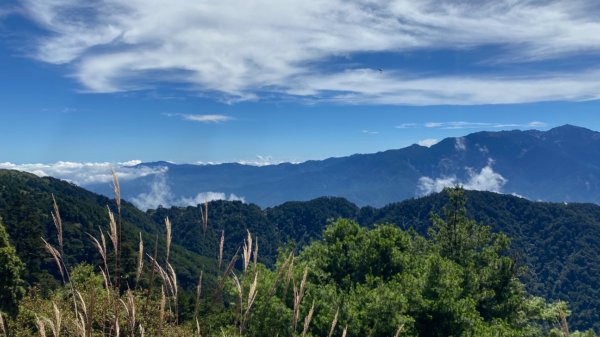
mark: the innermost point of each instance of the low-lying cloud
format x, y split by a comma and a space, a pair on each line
86, 173
484, 180
160, 194
429, 142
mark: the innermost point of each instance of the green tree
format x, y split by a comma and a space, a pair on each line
11, 285
489, 275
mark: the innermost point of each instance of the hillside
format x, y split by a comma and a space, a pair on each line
25, 206
528, 163
557, 243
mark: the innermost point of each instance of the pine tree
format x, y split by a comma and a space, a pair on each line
11, 284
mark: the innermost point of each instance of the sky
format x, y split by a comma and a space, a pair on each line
259, 82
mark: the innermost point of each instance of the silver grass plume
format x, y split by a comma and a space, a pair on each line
334, 323
57, 223
221, 243
2, 327
399, 331
308, 318
247, 250
57, 258
140, 262
168, 239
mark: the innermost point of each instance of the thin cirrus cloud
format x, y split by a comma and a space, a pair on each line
243, 49
201, 118
479, 125
457, 125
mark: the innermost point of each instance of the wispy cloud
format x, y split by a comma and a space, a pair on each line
369, 132
406, 126
201, 118
479, 125
241, 49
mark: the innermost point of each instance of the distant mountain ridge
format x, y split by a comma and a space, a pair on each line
561, 164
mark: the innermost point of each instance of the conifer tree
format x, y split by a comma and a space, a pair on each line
11, 284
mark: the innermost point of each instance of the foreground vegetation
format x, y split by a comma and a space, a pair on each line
457, 280
558, 243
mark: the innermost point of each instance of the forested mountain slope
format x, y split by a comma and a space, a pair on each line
558, 243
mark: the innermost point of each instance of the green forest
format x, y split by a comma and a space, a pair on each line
458, 263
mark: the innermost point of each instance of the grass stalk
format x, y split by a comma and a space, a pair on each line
198, 294
308, 318
2, 326
334, 323
221, 244
140, 261
399, 331
168, 238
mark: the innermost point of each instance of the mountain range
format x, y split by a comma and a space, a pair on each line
561, 164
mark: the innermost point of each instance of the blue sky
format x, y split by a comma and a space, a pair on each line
263, 81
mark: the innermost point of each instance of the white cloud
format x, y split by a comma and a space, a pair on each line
427, 185
207, 196
260, 161
460, 144
86, 173
481, 125
160, 194
201, 118
484, 180
241, 49
429, 142
537, 124
406, 126
206, 118
369, 132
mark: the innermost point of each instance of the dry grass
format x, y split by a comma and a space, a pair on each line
113, 232
41, 326
334, 323
130, 309
308, 318
140, 261
247, 250
204, 216
298, 296
564, 326
57, 223
120, 308
57, 258
2, 327
197, 303
399, 331
168, 238
221, 243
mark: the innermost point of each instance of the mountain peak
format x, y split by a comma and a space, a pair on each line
572, 133
569, 128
